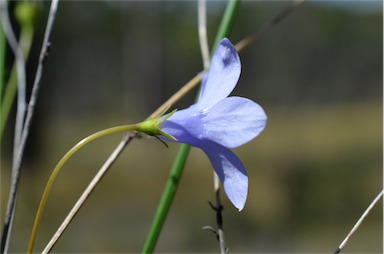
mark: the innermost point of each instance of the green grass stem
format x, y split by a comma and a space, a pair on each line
227, 22
180, 160
8, 92
2, 63
166, 199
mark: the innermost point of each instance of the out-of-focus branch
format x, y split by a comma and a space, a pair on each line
18, 157
21, 79
26, 14
202, 27
269, 25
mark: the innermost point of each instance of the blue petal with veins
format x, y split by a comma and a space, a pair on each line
217, 122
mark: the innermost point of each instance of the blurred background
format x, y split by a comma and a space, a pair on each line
312, 172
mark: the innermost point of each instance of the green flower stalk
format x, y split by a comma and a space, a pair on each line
150, 127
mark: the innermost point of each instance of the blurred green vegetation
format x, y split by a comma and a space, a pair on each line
312, 172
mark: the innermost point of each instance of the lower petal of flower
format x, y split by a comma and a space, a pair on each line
231, 172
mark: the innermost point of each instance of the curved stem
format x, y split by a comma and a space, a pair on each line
57, 169
91, 186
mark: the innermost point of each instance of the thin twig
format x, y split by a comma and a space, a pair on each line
219, 219
27, 124
269, 24
21, 106
177, 96
203, 39
358, 223
112, 158
219, 232
20, 113
202, 27
11, 87
21, 79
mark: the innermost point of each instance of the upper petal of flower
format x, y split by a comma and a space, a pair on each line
233, 121
231, 172
223, 75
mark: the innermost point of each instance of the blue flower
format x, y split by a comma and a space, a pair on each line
217, 122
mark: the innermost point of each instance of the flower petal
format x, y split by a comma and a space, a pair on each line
184, 125
223, 75
234, 121
231, 172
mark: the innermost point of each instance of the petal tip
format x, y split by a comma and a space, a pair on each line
240, 208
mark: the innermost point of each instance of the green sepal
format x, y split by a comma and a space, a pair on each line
152, 126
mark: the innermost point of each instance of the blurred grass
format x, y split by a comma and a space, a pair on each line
312, 173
